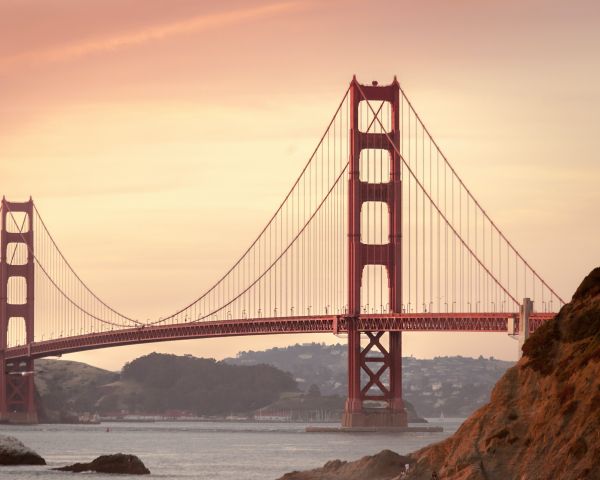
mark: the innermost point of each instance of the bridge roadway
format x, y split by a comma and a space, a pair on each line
413, 322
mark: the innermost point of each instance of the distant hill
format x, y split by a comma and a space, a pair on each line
154, 384
454, 386
64, 387
199, 385
157, 383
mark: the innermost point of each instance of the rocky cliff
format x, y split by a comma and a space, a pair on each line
543, 419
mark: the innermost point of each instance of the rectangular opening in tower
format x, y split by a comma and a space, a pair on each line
374, 223
17, 222
17, 290
16, 253
374, 291
16, 333
374, 116
374, 165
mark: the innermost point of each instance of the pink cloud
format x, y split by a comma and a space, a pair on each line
154, 33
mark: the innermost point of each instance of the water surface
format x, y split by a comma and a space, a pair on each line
205, 450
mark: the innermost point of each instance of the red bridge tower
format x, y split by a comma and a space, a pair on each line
17, 391
388, 255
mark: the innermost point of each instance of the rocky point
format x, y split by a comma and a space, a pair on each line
542, 421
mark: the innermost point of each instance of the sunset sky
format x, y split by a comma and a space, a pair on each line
157, 137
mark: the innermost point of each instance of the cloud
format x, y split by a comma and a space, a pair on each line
158, 32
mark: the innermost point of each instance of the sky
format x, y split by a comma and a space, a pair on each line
156, 137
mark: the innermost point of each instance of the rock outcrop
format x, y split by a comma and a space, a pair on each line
543, 420
117, 463
385, 465
13, 452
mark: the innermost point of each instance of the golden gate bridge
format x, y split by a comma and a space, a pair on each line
378, 235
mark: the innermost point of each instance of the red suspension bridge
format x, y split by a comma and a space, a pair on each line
378, 235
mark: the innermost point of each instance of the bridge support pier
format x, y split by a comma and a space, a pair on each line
524, 313
385, 362
17, 387
374, 363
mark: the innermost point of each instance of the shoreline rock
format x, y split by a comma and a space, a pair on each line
14, 452
385, 465
116, 463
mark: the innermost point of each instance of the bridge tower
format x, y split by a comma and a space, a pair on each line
17, 390
387, 360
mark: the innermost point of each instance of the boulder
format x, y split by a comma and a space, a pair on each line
13, 452
117, 463
386, 465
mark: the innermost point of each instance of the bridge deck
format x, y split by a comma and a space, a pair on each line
414, 322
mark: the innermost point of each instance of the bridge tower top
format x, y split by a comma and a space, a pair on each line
373, 137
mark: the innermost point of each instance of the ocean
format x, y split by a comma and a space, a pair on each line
206, 450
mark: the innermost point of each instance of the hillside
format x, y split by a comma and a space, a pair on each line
154, 384
198, 385
64, 387
454, 386
541, 423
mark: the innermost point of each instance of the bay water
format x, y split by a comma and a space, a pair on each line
206, 450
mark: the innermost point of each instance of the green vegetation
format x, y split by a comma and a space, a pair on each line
155, 384
199, 385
